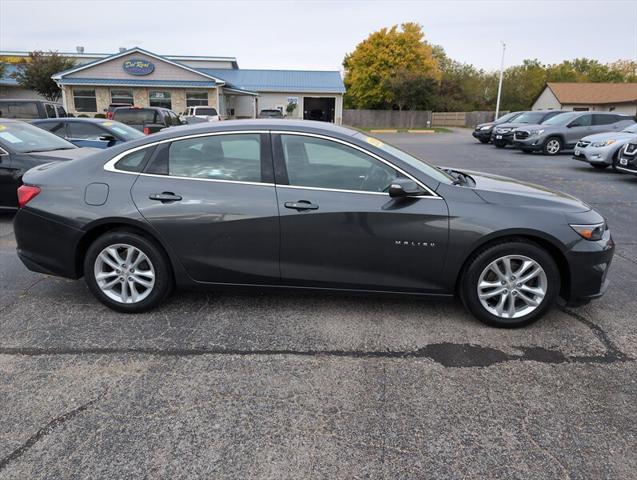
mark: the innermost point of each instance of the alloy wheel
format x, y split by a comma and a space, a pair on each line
124, 273
512, 286
553, 146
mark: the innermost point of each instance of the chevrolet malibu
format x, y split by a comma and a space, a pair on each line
307, 206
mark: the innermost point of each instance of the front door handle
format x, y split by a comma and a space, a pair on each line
301, 205
165, 197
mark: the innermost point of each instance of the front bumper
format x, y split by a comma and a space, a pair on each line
482, 134
502, 138
589, 263
627, 163
593, 155
532, 143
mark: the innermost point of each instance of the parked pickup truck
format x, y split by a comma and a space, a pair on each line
20, 109
146, 119
200, 114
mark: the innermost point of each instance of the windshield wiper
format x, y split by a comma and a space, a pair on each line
459, 178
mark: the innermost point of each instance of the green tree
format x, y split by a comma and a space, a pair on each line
35, 73
378, 58
410, 90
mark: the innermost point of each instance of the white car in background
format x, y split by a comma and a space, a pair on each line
602, 149
200, 114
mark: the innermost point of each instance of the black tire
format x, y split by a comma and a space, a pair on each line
484, 140
499, 144
526, 150
600, 166
479, 262
548, 149
615, 161
163, 277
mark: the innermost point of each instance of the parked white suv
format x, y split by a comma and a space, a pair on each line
201, 114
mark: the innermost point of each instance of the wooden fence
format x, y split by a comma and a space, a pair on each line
414, 118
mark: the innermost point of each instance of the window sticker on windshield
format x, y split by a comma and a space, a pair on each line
374, 141
9, 137
107, 124
2, 127
119, 130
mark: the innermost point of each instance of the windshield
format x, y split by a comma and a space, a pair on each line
135, 116
122, 130
508, 117
530, 117
24, 138
631, 129
421, 165
561, 119
205, 111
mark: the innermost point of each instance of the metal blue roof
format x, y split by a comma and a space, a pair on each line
7, 79
279, 80
135, 82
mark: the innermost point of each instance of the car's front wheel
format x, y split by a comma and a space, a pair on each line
484, 140
552, 146
127, 272
510, 284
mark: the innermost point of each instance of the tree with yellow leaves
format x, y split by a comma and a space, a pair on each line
383, 55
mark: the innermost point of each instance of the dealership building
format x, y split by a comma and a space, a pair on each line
142, 78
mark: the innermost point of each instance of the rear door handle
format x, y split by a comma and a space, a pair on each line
165, 197
301, 205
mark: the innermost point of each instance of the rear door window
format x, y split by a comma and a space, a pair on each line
50, 110
84, 131
234, 157
601, 119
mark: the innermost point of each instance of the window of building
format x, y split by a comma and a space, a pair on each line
195, 99
160, 99
221, 157
122, 96
84, 100
315, 162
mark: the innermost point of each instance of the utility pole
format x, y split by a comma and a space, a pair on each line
497, 106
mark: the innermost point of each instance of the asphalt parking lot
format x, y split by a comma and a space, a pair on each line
246, 385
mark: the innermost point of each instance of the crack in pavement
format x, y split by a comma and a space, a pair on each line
44, 431
446, 354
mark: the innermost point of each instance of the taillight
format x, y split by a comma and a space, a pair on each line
26, 193
109, 115
146, 131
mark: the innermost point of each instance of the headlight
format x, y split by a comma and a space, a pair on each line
487, 127
590, 232
537, 132
603, 144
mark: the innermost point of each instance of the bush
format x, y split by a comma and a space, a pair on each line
99, 115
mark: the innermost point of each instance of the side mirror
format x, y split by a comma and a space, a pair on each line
404, 187
107, 138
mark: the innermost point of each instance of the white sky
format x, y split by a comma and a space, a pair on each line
317, 34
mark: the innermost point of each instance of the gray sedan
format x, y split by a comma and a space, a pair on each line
602, 149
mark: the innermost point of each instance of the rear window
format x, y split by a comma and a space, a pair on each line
136, 116
205, 111
19, 110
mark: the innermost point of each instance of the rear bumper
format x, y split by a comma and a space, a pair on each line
46, 245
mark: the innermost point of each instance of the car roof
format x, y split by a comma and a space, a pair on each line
72, 119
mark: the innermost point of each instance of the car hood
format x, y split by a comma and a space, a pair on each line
504, 190
600, 137
70, 154
512, 125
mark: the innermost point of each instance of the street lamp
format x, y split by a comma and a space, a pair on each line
497, 105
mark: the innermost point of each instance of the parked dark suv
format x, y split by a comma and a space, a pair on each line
30, 109
627, 161
484, 131
147, 119
503, 133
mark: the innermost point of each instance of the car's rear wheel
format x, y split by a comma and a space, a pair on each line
127, 272
552, 146
510, 284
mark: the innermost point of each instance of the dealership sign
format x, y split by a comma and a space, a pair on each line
138, 66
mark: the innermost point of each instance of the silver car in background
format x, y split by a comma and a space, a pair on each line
562, 132
602, 149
